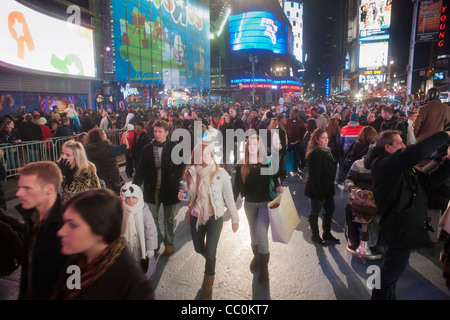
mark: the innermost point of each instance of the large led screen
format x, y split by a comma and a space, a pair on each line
162, 42
35, 41
373, 54
375, 19
257, 30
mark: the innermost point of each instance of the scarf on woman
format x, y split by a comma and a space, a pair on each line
90, 272
203, 203
133, 229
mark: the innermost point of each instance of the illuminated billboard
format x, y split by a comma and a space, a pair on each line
35, 41
257, 30
162, 42
375, 19
373, 54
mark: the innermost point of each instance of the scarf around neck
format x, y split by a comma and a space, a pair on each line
133, 229
203, 204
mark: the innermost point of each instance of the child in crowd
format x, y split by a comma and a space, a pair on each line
138, 227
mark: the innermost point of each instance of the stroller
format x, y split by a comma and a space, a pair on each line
364, 215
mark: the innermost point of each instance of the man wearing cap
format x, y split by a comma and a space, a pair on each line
349, 133
432, 117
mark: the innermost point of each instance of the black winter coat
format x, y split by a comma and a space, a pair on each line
48, 261
171, 175
124, 280
398, 189
322, 172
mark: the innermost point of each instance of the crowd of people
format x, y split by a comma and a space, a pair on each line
79, 211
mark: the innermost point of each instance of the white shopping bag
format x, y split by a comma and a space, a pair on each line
283, 217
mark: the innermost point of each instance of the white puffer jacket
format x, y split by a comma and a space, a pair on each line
221, 189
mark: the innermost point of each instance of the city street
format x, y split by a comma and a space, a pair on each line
299, 270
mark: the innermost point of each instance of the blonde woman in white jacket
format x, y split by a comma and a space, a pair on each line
208, 186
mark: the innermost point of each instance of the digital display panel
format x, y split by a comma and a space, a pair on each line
373, 54
35, 41
439, 75
375, 19
257, 30
162, 42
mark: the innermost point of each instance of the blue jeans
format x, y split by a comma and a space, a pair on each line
169, 215
317, 205
206, 239
258, 221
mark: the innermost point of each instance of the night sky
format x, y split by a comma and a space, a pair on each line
317, 26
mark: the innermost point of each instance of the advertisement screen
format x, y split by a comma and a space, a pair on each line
373, 80
428, 20
162, 42
373, 54
257, 30
35, 41
439, 76
375, 19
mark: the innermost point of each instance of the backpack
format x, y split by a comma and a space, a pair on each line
11, 243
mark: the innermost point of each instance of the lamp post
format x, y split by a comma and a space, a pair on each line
412, 44
253, 60
391, 62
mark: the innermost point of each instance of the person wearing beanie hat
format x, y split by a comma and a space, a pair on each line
349, 133
138, 226
354, 117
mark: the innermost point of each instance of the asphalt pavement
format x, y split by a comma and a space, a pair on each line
299, 270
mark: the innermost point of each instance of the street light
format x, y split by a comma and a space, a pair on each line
390, 66
253, 60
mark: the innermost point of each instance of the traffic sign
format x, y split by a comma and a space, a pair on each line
409, 100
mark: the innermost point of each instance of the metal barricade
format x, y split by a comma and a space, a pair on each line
16, 156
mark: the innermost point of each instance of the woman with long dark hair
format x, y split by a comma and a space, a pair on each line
320, 185
255, 186
91, 236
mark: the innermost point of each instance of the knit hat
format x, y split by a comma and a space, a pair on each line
130, 127
354, 117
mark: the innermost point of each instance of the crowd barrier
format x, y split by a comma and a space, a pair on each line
16, 156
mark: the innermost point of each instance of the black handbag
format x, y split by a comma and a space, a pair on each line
407, 227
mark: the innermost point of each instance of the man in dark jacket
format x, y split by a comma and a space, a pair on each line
401, 201
161, 179
41, 208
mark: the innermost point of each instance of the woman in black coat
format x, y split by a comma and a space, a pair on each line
320, 185
101, 265
102, 154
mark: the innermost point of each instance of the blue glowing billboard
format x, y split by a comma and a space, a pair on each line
257, 30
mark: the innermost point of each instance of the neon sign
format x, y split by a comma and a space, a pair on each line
442, 27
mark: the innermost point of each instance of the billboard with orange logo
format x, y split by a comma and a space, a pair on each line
37, 42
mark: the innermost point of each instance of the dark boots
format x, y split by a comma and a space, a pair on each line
326, 227
263, 260
254, 264
208, 282
314, 226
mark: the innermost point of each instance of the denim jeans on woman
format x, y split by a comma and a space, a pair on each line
206, 239
258, 221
